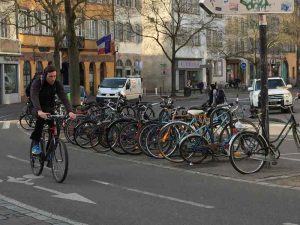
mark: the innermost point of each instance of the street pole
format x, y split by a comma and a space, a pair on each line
264, 101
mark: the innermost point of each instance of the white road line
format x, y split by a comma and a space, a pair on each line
297, 160
16, 158
6, 125
155, 195
290, 224
42, 212
290, 153
23, 160
222, 177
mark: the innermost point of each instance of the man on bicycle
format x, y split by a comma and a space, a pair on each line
42, 95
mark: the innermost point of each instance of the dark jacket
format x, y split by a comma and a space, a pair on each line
42, 95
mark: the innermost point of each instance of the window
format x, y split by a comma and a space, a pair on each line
3, 27
103, 28
46, 28
129, 34
79, 27
119, 31
39, 67
37, 27
26, 74
128, 3
91, 80
139, 38
119, 68
197, 39
11, 78
90, 29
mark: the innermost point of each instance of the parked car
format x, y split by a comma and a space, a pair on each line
83, 96
278, 94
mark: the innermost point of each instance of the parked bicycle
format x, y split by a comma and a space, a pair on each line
249, 151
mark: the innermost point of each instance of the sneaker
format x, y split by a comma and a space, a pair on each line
36, 150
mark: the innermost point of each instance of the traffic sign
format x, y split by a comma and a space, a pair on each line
232, 7
243, 66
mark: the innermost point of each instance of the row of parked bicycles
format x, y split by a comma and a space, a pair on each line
177, 134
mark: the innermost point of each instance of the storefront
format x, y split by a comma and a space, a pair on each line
188, 69
9, 79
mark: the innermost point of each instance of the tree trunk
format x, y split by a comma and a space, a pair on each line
73, 54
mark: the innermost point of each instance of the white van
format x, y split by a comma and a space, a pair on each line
131, 87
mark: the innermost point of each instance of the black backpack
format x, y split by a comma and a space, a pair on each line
220, 98
36, 76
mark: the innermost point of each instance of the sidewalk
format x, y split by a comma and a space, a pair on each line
13, 212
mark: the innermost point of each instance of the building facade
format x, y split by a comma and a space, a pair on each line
9, 58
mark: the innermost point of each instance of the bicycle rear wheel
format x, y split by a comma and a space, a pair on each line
194, 148
27, 121
296, 135
60, 161
248, 152
36, 162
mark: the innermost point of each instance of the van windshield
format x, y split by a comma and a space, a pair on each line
272, 84
113, 83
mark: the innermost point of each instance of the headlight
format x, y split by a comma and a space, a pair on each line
288, 95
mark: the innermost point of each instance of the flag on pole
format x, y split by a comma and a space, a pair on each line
104, 44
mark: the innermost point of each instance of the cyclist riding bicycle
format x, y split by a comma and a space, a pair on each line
42, 95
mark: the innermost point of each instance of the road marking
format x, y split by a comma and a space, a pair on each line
289, 153
297, 160
6, 125
39, 211
290, 224
70, 196
155, 195
23, 160
6, 115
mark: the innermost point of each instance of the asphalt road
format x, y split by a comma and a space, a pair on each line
113, 189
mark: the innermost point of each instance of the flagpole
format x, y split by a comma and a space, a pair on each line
114, 40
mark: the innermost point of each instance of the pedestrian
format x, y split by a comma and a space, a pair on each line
188, 84
200, 86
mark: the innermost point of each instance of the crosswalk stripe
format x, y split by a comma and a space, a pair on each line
6, 125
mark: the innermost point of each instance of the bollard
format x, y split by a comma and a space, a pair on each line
155, 91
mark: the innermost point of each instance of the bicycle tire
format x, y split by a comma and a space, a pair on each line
169, 138
112, 135
69, 128
128, 111
60, 160
98, 138
36, 162
27, 121
296, 135
143, 136
248, 152
194, 148
83, 132
128, 138
149, 114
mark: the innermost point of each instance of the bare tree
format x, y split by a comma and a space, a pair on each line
241, 38
73, 8
172, 25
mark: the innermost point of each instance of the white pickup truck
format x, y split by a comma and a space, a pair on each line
278, 94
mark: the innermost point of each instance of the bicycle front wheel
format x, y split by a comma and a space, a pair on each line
248, 152
36, 162
296, 135
60, 161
